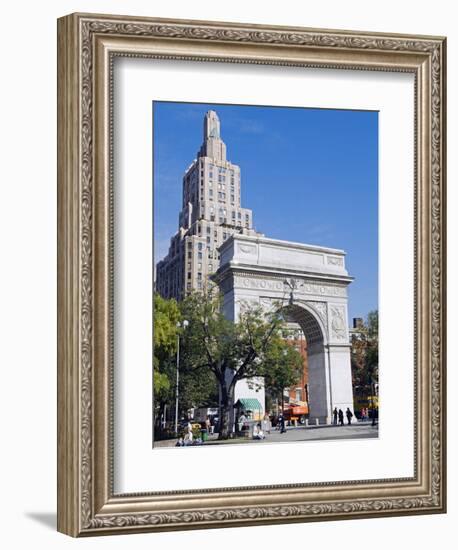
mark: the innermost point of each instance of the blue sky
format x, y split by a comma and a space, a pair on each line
309, 175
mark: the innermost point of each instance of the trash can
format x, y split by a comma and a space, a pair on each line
204, 434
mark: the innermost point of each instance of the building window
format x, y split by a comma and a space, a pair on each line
189, 254
199, 266
208, 240
210, 268
210, 192
189, 275
232, 198
199, 246
298, 394
208, 229
199, 255
199, 276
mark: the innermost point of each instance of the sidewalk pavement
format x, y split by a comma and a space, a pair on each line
325, 432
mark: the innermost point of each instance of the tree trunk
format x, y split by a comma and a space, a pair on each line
226, 427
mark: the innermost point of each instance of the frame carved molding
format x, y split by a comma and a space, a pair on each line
87, 45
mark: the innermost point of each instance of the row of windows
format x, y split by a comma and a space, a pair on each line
223, 212
199, 275
199, 285
221, 185
199, 266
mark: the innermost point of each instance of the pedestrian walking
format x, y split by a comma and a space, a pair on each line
374, 416
281, 421
349, 415
335, 414
241, 421
266, 424
341, 417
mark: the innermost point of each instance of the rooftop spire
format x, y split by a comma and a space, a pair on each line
212, 125
213, 146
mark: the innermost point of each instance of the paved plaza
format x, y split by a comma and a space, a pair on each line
360, 430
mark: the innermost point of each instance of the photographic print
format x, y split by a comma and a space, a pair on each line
266, 274
244, 211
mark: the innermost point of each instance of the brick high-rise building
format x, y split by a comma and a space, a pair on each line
211, 212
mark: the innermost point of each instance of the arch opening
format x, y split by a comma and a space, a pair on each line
317, 375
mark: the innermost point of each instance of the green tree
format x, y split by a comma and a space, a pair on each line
283, 366
195, 389
166, 317
364, 353
230, 351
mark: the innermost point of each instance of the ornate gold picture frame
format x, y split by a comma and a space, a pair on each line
87, 46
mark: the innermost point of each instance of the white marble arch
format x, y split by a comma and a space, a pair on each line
310, 284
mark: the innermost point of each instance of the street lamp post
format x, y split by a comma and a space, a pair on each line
180, 325
284, 353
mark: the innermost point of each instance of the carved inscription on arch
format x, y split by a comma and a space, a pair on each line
302, 287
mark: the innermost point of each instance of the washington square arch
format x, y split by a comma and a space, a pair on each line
310, 285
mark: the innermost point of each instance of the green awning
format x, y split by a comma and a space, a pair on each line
249, 404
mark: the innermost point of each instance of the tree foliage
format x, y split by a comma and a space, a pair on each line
166, 317
364, 352
216, 353
283, 366
230, 351
193, 391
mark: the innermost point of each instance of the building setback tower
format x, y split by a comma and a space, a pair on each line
211, 212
